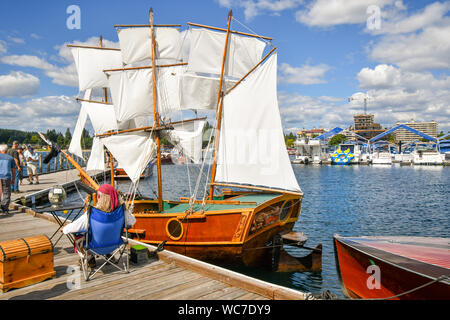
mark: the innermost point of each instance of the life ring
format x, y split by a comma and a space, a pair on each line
342, 157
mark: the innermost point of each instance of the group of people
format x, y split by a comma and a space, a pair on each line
12, 163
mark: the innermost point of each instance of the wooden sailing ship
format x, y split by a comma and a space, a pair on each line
225, 72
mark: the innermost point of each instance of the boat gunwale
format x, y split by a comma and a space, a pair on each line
339, 238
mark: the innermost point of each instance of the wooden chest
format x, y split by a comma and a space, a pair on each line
26, 261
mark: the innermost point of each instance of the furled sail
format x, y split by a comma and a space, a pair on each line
207, 47
132, 93
136, 44
90, 64
188, 136
252, 150
133, 151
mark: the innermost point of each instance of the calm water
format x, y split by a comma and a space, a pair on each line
349, 200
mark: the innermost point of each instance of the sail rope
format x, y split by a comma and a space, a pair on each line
253, 32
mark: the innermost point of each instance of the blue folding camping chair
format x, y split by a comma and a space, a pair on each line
103, 239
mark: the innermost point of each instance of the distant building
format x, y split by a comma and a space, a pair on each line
311, 133
365, 126
362, 121
430, 128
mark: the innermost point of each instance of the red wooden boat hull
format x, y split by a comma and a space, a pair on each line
388, 267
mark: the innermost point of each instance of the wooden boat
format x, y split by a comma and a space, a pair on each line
236, 227
120, 173
388, 267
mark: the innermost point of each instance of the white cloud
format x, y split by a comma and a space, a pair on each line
253, 8
65, 75
52, 112
399, 95
26, 61
305, 74
326, 13
428, 49
299, 111
35, 36
16, 40
433, 14
18, 84
3, 48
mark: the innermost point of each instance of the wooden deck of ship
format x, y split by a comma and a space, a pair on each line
169, 276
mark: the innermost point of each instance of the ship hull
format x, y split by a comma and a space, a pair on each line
389, 267
228, 231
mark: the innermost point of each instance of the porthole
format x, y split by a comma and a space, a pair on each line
174, 229
285, 210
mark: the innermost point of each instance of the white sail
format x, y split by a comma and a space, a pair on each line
188, 136
136, 44
207, 48
90, 64
252, 150
97, 158
75, 143
133, 151
102, 116
168, 89
200, 92
132, 93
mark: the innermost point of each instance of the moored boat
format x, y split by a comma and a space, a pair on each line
120, 173
248, 149
393, 267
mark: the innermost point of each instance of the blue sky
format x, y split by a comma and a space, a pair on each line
328, 51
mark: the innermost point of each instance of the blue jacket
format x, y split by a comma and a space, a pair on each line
7, 163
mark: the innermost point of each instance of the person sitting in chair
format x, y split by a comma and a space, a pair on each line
108, 200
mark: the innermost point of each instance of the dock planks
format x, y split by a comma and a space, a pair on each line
167, 277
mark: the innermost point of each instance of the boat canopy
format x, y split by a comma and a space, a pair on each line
329, 134
444, 137
402, 126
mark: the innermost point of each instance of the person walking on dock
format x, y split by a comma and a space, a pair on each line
7, 177
14, 153
31, 158
21, 162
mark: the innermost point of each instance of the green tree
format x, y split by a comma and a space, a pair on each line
337, 139
67, 138
60, 139
34, 139
290, 142
86, 140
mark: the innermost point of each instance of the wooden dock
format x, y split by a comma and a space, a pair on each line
39, 192
168, 276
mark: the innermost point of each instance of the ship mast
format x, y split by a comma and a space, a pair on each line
156, 115
111, 159
219, 107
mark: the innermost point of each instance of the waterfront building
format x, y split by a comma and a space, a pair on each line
311, 133
429, 128
365, 126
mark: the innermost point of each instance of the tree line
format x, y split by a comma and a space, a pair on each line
7, 136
